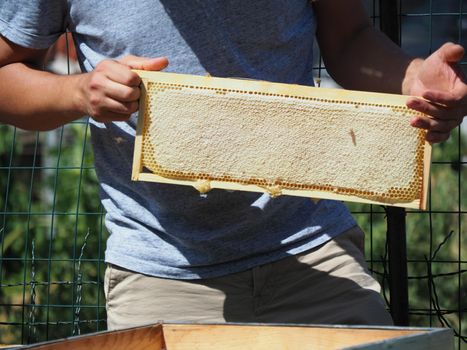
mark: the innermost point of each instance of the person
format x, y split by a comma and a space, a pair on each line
174, 255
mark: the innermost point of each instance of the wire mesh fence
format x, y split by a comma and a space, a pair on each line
436, 238
52, 237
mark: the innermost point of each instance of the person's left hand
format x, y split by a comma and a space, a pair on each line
440, 82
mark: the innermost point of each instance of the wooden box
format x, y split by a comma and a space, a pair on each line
257, 337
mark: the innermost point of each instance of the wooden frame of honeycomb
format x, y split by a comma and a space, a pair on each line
279, 138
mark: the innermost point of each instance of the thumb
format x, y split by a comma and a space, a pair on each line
451, 53
144, 63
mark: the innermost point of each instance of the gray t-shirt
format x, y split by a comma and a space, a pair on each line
173, 231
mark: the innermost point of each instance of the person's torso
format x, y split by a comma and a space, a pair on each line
173, 231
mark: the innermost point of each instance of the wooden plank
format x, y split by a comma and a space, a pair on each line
316, 190
426, 177
415, 204
438, 339
142, 338
274, 88
137, 166
204, 337
257, 337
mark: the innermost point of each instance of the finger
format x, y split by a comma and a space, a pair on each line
108, 117
451, 53
144, 63
121, 92
110, 109
117, 107
428, 108
446, 98
436, 137
433, 124
119, 73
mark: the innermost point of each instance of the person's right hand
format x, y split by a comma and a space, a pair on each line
111, 91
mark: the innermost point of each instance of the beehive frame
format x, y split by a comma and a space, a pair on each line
361, 109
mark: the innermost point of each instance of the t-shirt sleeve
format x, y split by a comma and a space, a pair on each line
35, 24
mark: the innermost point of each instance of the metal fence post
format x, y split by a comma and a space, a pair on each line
396, 235
397, 253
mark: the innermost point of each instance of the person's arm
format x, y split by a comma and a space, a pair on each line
361, 58
36, 100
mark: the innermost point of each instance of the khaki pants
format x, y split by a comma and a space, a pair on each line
329, 284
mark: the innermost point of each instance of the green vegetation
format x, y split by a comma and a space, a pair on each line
50, 210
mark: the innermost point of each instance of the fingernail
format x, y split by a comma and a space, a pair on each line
427, 96
415, 103
412, 104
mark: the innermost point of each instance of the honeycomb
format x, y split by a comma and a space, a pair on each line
279, 142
